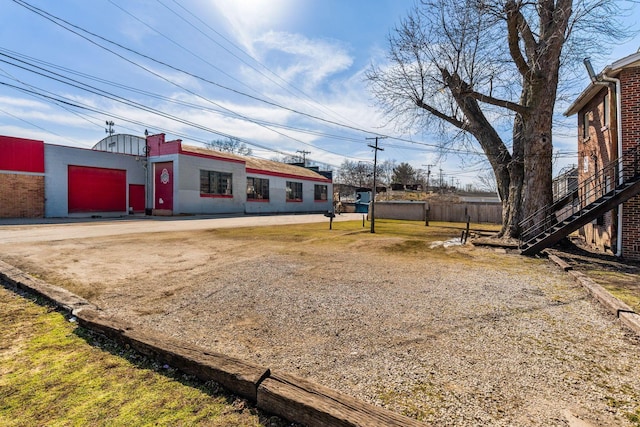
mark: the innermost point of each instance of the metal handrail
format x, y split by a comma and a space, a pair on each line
591, 189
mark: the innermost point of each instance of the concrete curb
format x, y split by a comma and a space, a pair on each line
622, 311
292, 398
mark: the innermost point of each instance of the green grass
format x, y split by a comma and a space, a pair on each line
623, 286
54, 373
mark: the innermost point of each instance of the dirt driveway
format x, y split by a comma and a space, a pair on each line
451, 336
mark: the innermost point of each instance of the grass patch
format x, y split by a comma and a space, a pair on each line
634, 417
350, 230
54, 373
623, 286
422, 409
391, 237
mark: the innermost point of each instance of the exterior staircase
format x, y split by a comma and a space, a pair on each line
580, 205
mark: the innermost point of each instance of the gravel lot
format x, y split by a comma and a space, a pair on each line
451, 336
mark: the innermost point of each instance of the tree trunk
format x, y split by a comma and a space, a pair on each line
537, 191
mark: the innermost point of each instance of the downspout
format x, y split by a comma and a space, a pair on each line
601, 79
616, 83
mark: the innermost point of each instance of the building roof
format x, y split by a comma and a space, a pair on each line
592, 90
115, 143
256, 165
211, 153
122, 143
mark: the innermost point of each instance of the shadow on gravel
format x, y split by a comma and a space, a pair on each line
579, 255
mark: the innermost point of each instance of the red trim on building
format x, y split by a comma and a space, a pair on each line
21, 155
258, 200
158, 147
287, 175
217, 196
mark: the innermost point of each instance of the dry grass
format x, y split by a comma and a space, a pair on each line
54, 373
462, 335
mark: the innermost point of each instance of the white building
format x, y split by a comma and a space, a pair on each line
125, 174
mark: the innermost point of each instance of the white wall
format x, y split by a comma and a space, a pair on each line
278, 199
57, 159
187, 197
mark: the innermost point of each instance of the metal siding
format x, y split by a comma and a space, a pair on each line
97, 189
21, 155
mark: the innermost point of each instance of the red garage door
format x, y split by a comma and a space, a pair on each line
97, 189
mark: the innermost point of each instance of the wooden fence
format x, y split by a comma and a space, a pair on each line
459, 212
484, 212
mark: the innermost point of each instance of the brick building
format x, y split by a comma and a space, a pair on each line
608, 113
21, 178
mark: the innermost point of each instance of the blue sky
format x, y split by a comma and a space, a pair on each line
242, 57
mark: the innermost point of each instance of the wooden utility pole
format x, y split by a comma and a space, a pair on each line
375, 167
428, 175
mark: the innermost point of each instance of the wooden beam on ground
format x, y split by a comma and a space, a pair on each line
314, 405
239, 377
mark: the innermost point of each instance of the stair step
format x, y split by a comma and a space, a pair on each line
589, 209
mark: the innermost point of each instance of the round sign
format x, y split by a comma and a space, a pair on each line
164, 176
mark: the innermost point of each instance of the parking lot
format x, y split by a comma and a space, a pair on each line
460, 335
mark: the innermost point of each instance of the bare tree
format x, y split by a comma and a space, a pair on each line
385, 172
230, 145
487, 181
357, 174
469, 67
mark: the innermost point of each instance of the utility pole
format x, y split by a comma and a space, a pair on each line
441, 182
110, 124
428, 175
304, 154
375, 166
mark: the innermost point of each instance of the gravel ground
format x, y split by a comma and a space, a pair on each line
451, 336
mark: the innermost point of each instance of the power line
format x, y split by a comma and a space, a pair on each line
57, 21
15, 56
54, 19
314, 104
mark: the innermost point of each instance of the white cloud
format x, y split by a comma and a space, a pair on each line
246, 19
306, 60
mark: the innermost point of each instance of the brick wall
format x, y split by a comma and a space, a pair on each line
630, 87
21, 196
596, 148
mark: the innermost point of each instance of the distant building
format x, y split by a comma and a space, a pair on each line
126, 174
